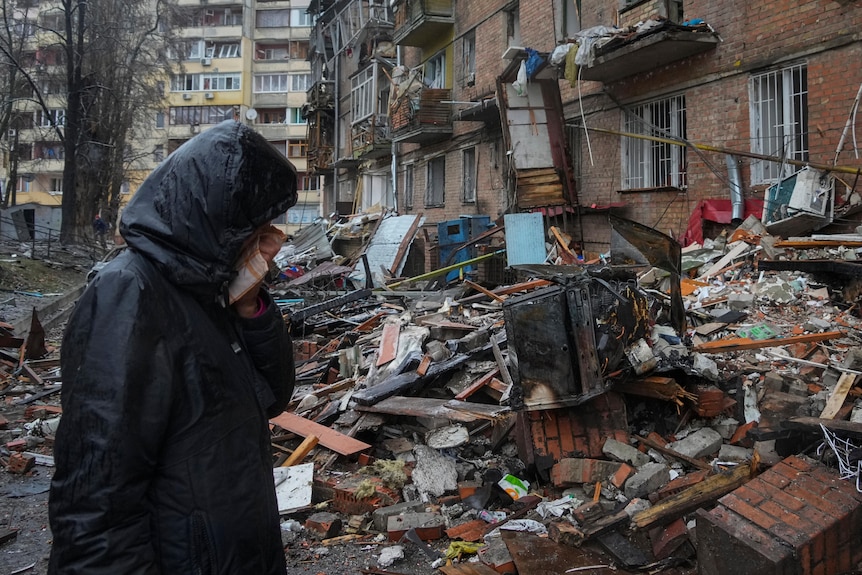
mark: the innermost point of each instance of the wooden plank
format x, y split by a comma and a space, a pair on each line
813, 424
418, 407
388, 343
487, 292
735, 252
329, 438
696, 496
739, 343
405, 243
480, 382
838, 395
300, 452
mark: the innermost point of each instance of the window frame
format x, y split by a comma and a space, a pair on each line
649, 164
789, 100
435, 185
435, 71
468, 175
409, 184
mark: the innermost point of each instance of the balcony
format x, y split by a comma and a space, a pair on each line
370, 138
422, 118
353, 24
321, 96
624, 56
421, 22
320, 144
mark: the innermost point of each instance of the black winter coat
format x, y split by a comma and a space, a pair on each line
162, 454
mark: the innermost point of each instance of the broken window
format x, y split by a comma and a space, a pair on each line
779, 121
468, 59
408, 186
436, 182
650, 163
469, 175
435, 71
362, 94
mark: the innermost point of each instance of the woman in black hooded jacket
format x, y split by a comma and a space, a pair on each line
162, 454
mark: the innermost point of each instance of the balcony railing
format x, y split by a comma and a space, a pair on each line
419, 22
422, 117
371, 138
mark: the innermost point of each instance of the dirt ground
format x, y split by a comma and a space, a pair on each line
25, 284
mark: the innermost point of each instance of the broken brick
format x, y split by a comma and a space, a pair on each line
20, 463
666, 540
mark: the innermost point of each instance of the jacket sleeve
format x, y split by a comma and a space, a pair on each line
271, 349
116, 398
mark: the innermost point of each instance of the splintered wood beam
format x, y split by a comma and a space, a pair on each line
329, 438
485, 291
671, 453
740, 343
838, 395
696, 496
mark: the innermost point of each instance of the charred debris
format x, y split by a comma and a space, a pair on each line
653, 408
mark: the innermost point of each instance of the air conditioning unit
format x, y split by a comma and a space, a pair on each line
11, 133
187, 96
206, 61
209, 95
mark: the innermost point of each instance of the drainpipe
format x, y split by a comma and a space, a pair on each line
737, 202
394, 145
336, 130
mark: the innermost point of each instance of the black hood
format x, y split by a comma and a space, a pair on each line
192, 214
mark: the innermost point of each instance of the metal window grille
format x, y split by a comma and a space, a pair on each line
649, 163
779, 121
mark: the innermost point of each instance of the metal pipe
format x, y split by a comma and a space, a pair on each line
707, 148
446, 269
737, 201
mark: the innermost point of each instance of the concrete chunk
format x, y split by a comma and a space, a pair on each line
701, 443
382, 515
624, 452
649, 478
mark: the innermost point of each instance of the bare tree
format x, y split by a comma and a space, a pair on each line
113, 53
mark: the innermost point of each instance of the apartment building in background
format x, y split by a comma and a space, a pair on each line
771, 86
238, 59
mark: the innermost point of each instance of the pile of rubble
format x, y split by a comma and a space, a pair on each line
676, 413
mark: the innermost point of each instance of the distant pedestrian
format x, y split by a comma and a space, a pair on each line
100, 229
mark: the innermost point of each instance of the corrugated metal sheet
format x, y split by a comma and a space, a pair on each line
383, 248
313, 236
525, 239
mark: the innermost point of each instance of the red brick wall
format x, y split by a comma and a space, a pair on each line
755, 36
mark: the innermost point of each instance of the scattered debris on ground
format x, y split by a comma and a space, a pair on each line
657, 408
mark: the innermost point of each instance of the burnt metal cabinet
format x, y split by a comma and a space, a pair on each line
552, 346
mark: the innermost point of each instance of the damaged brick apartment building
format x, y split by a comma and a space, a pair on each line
680, 115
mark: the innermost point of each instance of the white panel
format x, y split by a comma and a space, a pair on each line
531, 150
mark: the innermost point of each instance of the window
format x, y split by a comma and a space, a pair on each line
23, 184
468, 178
408, 185
56, 186
513, 26
362, 94
300, 17
226, 50
158, 153
650, 164
468, 59
435, 71
566, 15
297, 149
294, 116
160, 119
435, 184
273, 18
303, 214
51, 118
300, 82
270, 83
196, 115
221, 81
309, 183
779, 120
186, 83
298, 49
270, 116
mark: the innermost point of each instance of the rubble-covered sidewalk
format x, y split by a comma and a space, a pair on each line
654, 409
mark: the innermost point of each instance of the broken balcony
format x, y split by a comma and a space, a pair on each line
370, 137
420, 22
624, 55
422, 117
